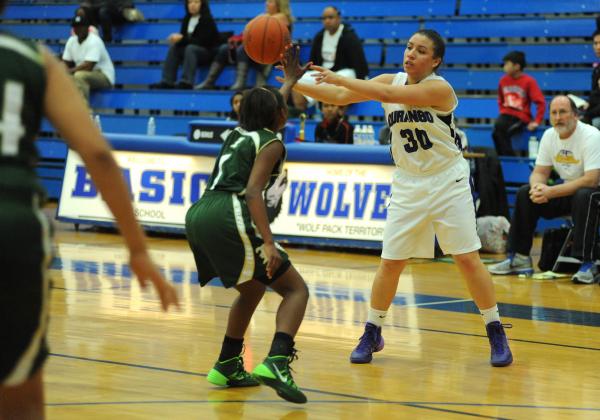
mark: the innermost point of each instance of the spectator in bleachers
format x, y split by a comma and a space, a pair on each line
572, 148
87, 59
516, 92
336, 47
106, 13
235, 102
233, 52
335, 127
592, 113
193, 45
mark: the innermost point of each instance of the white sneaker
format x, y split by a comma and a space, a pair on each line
512, 265
587, 274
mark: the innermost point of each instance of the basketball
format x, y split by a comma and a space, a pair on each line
265, 38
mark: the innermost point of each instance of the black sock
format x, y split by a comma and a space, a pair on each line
283, 344
232, 347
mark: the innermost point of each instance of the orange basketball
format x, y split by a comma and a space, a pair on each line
265, 38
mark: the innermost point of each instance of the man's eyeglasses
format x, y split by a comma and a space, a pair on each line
328, 17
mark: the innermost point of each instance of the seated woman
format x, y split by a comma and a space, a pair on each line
193, 45
233, 53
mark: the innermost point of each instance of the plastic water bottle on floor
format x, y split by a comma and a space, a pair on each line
151, 129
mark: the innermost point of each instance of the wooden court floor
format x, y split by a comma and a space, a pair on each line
115, 355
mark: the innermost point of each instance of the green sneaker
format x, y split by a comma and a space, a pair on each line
231, 373
275, 372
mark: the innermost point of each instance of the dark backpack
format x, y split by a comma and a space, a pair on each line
552, 243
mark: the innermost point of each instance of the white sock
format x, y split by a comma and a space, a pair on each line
376, 317
490, 315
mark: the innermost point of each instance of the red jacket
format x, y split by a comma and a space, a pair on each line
516, 95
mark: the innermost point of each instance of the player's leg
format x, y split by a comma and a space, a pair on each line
382, 294
25, 251
274, 371
24, 401
480, 285
229, 369
455, 227
407, 233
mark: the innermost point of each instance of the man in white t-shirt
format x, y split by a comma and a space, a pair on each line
572, 148
336, 47
87, 59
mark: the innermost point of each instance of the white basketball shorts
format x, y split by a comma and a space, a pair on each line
422, 207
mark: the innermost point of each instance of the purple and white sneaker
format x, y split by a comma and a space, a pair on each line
370, 342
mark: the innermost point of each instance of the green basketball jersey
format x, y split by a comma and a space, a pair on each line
236, 159
22, 89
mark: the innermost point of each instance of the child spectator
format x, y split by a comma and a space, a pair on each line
516, 92
335, 127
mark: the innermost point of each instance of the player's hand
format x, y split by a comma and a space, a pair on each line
326, 76
293, 70
145, 270
274, 259
532, 126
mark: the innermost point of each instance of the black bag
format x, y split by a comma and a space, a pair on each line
552, 242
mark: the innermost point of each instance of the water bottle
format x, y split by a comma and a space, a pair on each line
357, 137
97, 122
151, 129
302, 131
533, 147
370, 135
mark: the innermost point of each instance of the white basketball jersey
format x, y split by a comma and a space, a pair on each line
424, 140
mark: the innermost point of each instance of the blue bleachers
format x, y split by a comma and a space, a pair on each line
502, 7
460, 79
485, 79
218, 101
513, 27
492, 53
39, 11
160, 31
472, 28
247, 10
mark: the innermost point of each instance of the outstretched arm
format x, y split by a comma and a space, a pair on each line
434, 93
64, 107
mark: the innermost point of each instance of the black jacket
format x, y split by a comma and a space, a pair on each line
205, 33
489, 183
349, 54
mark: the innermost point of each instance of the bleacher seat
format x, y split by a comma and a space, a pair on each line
246, 10
218, 101
502, 7
513, 27
492, 53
